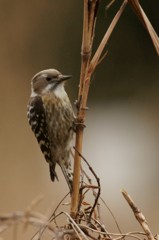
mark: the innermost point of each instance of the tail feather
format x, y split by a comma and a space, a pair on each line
53, 174
68, 176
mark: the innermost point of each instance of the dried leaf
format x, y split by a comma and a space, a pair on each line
106, 37
145, 21
85, 203
110, 4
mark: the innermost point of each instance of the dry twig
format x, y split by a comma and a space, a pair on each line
139, 215
145, 21
97, 195
90, 15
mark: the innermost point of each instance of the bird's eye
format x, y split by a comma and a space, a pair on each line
48, 78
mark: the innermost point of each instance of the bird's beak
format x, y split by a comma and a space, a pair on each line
64, 77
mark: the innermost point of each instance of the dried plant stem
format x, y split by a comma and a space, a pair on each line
139, 215
97, 195
87, 68
106, 37
90, 10
145, 21
76, 179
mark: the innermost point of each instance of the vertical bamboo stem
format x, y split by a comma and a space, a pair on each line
85, 53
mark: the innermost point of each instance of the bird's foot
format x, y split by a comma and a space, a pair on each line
78, 124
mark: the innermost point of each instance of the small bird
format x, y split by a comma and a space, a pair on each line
51, 118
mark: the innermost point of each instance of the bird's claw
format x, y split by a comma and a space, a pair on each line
77, 124
77, 104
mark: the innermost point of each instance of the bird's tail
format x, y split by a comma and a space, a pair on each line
68, 176
53, 174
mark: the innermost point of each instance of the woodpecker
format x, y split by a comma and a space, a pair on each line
51, 118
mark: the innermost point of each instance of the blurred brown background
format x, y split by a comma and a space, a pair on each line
122, 134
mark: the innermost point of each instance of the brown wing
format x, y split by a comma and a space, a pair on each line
38, 123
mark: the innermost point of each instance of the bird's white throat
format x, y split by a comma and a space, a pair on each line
59, 91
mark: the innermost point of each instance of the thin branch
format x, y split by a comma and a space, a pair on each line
145, 21
54, 212
110, 4
102, 57
139, 215
94, 192
103, 229
90, 14
43, 228
77, 233
98, 182
130, 234
112, 214
77, 227
106, 37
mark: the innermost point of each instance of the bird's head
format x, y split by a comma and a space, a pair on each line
48, 81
